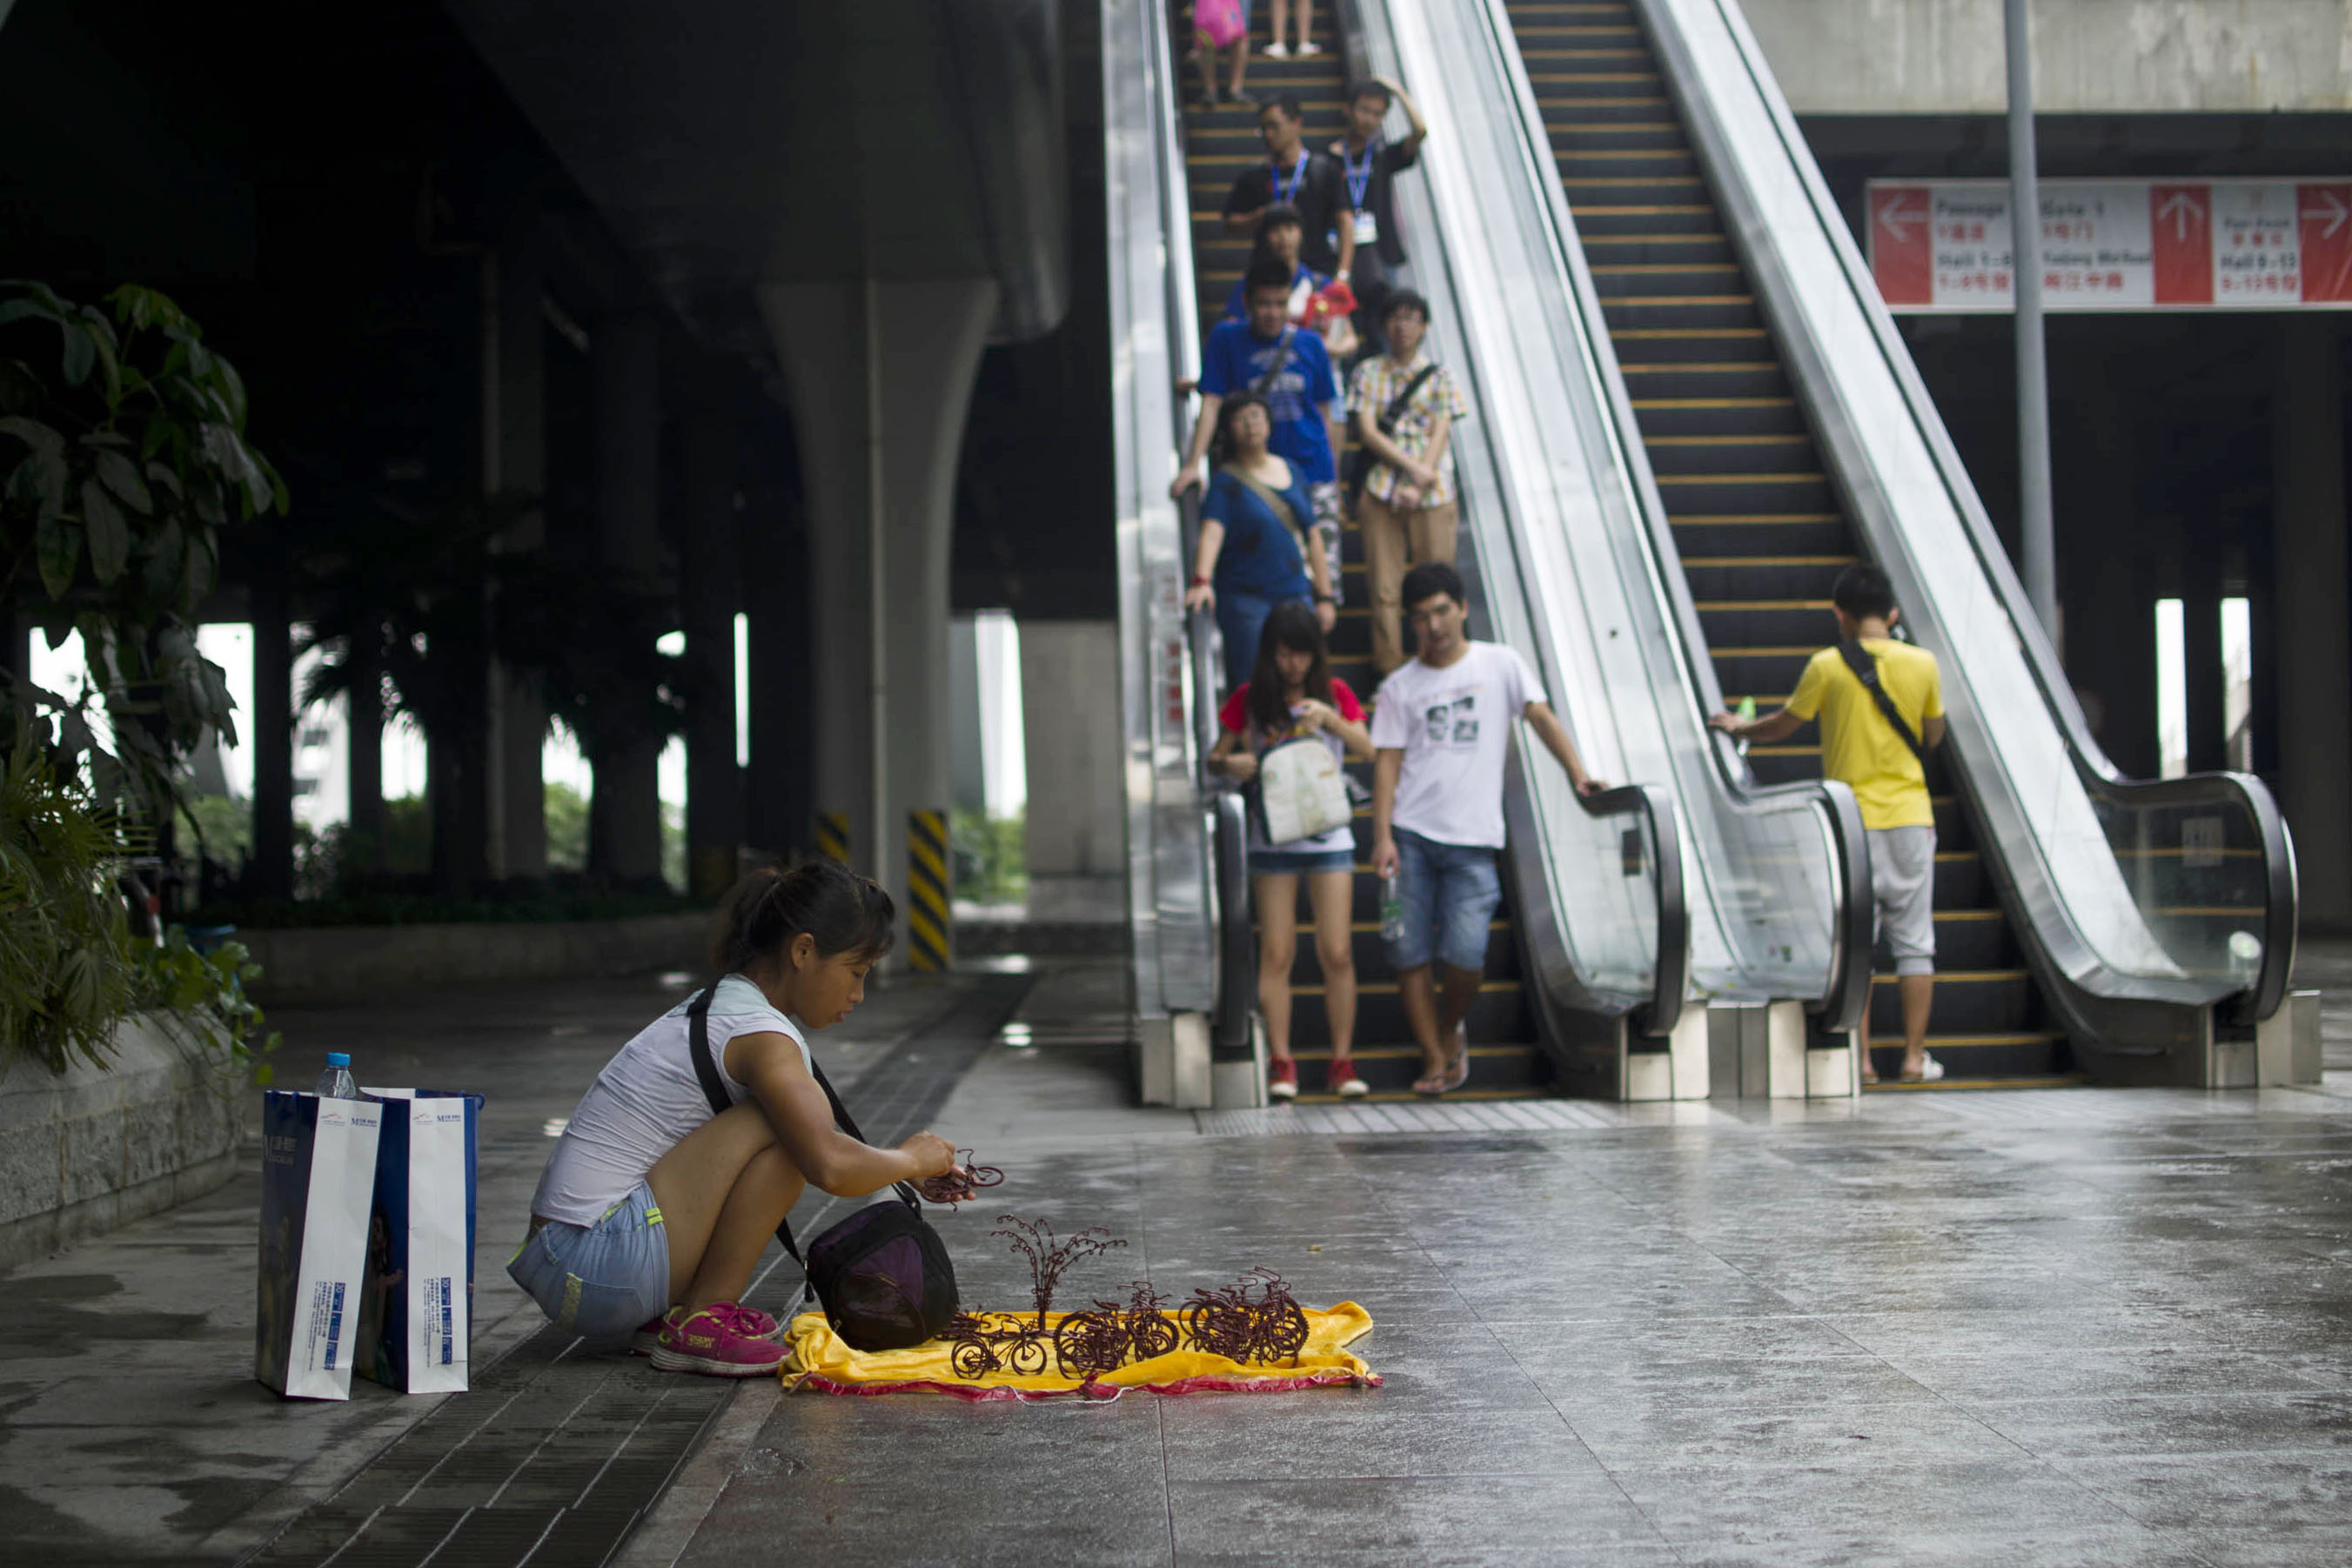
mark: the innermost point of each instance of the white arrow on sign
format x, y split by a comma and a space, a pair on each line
2180, 207
1894, 215
2335, 212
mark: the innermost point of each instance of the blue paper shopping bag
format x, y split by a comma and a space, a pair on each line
318, 1171
416, 1304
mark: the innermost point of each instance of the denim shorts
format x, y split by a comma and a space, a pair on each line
1299, 862
1450, 892
601, 1280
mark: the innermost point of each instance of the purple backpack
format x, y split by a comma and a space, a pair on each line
882, 1274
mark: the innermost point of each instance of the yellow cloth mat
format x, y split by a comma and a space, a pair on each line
821, 1363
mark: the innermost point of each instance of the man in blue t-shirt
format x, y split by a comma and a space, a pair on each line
1283, 364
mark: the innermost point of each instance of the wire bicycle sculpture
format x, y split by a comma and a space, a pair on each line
963, 1183
1253, 1320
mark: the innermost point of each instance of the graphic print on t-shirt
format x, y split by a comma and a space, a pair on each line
1453, 723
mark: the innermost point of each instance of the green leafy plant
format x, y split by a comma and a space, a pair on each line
118, 476
65, 943
204, 993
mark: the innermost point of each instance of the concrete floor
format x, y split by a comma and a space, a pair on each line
2070, 1326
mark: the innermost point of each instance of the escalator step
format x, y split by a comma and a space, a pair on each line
1773, 452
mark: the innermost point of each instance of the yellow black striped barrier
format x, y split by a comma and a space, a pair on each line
930, 924
833, 836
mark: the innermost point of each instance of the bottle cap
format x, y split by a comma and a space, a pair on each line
339, 1058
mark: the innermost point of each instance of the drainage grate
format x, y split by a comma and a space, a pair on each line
555, 1454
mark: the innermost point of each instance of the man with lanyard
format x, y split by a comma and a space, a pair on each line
1369, 165
1307, 181
1286, 366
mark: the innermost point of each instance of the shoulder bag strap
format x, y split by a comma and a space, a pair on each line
1397, 405
1865, 669
1280, 363
714, 1089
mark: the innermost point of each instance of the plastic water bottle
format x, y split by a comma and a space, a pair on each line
337, 1082
1391, 910
1747, 715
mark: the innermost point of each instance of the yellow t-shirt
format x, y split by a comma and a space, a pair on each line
1859, 747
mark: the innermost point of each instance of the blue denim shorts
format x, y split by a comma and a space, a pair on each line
601, 1280
1299, 862
1450, 892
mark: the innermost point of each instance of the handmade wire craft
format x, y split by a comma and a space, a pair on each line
961, 1184
1253, 1320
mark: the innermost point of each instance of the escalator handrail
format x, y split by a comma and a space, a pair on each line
1235, 937
1840, 1008
2098, 772
1558, 987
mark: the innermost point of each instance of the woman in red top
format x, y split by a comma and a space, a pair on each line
1292, 693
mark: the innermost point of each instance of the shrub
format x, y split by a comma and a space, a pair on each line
65, 943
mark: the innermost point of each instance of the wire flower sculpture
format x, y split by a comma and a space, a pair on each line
961, 1184
1050, 1256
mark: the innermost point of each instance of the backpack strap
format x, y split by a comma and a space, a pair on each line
714, 1089
1865, 669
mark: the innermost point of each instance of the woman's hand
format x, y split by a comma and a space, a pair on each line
1326, 614
1319, 715
933, 1155
1406, 496
1200, 596
1241, 767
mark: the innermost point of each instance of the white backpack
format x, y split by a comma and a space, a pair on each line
1301, 793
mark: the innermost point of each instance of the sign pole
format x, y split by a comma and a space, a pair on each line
2040, 562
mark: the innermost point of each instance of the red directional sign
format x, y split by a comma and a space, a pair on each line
1902, 256
2117, 245
2326, 219
2181, 230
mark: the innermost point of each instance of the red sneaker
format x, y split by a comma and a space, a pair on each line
1344, 1081
748, 1321
1282, 1080
710, 1339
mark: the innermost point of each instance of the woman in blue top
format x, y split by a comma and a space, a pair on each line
1249, 559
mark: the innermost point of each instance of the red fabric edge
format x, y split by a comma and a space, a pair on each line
1207, 1384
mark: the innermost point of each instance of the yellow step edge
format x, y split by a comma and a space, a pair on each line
1961, 976
1402, 1053
1704, 606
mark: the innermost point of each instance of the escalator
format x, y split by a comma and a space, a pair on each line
1506, 1059
1758, 525
2129, 930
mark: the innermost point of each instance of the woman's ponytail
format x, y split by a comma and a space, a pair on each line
844, 911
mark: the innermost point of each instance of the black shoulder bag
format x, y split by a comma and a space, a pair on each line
1360, 462
882, 1274
1865, 669
1263, 385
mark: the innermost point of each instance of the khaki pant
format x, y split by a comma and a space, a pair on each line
1389, 535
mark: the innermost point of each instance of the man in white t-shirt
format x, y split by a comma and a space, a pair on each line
1442, 728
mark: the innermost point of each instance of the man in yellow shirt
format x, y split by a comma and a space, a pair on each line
1879, 754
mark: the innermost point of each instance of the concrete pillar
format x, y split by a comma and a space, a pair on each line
2313, 667
968, 769
364, 778
270, 872
515, 466
777, 593
624, 368
710, 588
881, 375
1069, 716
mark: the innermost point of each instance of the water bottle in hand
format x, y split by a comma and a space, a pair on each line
337, 1082
1391, 910
1747, 715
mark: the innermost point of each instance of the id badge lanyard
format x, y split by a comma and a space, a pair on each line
1287, 195
1359, 183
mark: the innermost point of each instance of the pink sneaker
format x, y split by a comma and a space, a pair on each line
749, 1321
712, 1340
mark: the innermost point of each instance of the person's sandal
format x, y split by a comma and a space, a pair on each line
1930, 1071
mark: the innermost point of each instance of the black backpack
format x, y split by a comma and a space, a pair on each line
882, 1274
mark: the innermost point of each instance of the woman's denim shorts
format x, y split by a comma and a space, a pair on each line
603, 1280
1302, 862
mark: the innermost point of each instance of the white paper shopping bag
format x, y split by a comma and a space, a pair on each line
317, 1174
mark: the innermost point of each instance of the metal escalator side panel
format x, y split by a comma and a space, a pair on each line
1167, 850
1513, 459
1565, 513
2060, 821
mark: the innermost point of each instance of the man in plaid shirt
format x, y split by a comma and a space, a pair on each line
1403, 404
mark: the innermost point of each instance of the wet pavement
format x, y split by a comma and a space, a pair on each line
2064, 1326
